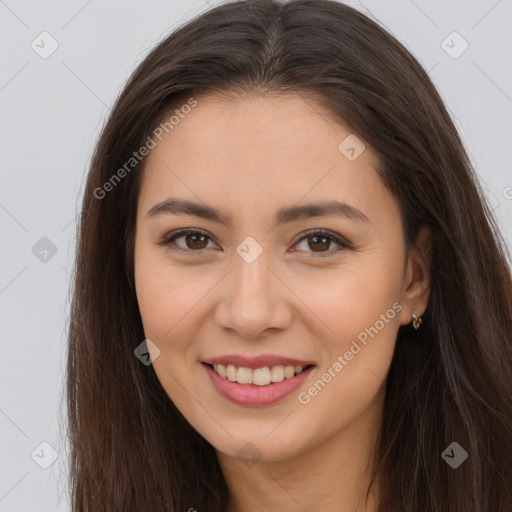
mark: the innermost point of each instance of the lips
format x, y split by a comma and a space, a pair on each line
260, 380
256, 395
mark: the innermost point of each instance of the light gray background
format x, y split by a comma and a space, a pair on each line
51, 113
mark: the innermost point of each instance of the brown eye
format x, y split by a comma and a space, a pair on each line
319, 242
194, 240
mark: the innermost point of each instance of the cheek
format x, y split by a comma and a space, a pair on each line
346, 300
357, 310
166, 304
358, 355
171, 303
162, 298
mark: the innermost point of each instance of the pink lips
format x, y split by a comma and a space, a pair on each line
250, 394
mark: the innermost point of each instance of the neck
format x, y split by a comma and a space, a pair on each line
334, 474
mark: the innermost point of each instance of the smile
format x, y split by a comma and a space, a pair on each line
259, 376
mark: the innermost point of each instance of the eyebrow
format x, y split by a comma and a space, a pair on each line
173, 206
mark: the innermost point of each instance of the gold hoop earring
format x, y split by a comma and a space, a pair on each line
416, 321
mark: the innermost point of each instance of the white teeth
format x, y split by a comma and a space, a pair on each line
231, 372
289, 372
259, 376
277, 373
244, 375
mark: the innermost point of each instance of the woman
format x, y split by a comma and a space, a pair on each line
290, 292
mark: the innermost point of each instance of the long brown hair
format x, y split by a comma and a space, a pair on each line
130, 448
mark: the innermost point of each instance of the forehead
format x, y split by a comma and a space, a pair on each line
254, 151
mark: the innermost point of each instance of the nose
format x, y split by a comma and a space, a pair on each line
253, 300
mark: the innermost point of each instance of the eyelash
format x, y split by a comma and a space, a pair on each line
171, 237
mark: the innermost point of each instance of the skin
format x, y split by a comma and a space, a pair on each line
249, 157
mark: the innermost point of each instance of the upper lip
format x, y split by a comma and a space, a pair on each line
257, 362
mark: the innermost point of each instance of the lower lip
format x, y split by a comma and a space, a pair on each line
250, 394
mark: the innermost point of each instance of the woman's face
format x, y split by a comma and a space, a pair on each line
256, 288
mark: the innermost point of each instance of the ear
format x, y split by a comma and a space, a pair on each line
416, 285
